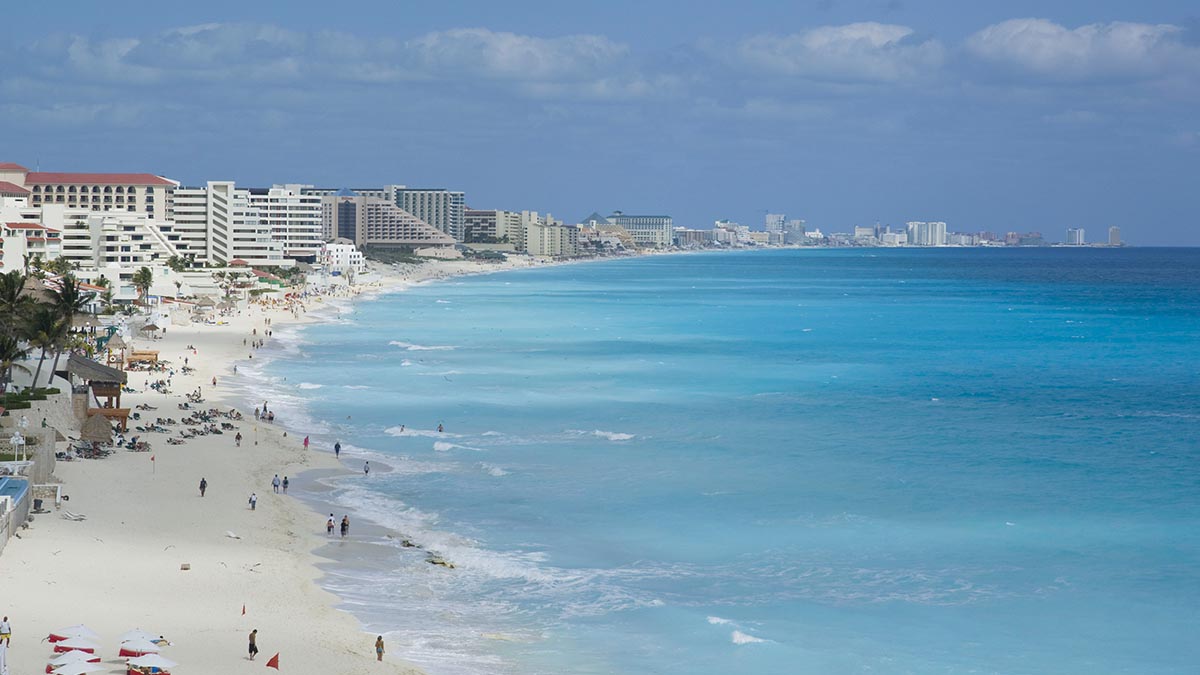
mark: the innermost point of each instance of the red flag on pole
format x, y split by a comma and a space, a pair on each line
274, 662
243, 609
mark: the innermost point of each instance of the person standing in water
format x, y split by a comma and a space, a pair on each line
337, 449
366, 468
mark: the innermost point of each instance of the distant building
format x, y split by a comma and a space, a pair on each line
865, 235
545, 236
490, 227
922, 233
894, 238
1075, 236
441, 208
775, 222
646, 231
1114, 236
372, 221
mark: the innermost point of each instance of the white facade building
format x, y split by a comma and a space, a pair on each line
1114, 236
922, 233
1075, 236
647, 231
293, 218
233, 228
343, 256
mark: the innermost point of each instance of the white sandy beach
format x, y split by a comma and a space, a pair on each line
121, 567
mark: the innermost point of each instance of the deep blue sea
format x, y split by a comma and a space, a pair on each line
801, 461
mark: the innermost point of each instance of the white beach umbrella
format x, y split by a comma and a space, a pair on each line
77, 631
72, 656
138, 646
138, 634
76, 643
80, 667
152, 661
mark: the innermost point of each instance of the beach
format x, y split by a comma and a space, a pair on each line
154, 554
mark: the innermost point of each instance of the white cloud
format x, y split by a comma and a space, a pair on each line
1092, 52
857, 52
484, 53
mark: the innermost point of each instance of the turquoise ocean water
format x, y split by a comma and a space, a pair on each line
825, 461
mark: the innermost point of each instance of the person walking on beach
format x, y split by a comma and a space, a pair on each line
306, 442
329, 526
5, 632
275, 483
285, 484
253, 643
345, 526
238, 439
337, 449
203, 486
379, 648
366, 468
253, 501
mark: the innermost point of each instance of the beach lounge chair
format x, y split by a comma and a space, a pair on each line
68, 515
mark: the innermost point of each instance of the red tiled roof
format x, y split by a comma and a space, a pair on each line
7, 188
26, 226
44, 177
9, 166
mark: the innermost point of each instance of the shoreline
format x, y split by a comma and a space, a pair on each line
121, 568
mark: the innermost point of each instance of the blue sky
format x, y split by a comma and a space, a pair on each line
989, 115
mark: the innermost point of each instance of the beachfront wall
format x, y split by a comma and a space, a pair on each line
14, 507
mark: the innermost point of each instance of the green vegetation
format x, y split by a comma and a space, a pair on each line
36, 319
391, 256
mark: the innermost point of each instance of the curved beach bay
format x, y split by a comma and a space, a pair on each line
788, 461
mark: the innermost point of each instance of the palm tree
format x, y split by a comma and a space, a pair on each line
14, 302
45, 329
68, 300
177, 263
11, 351
142, 280
178, 288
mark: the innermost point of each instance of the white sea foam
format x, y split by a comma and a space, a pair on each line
410, 431
443, 446
740, 638
355, 386
718, 621
491, 433
310, 385
443, 302
612, 435
405, 363
420, 348
492, 470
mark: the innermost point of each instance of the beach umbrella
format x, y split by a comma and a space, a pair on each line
152, 661
207, 302
115, 342
96, 429
148, 328
80, 667
137, 648
76, 643
78, 630
72, 657
138, 634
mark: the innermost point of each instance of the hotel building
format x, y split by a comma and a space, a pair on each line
646, 231
371, 221
138, 192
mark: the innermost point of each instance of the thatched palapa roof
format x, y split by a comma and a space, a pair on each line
91, 371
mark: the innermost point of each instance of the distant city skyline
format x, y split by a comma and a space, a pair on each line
1005, 117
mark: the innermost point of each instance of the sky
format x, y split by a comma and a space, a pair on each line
1001, 116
